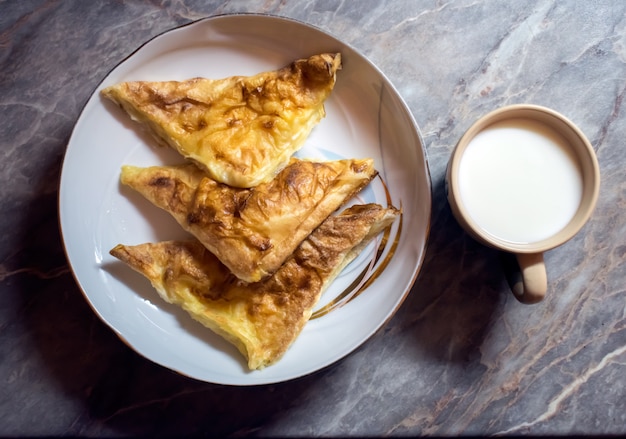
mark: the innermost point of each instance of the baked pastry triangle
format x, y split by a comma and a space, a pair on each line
252, 231
264, 318
240, 129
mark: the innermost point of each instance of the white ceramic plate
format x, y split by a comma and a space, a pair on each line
365, 118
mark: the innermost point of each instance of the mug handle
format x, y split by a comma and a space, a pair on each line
531, 287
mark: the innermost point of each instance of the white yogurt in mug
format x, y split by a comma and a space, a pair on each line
520, 181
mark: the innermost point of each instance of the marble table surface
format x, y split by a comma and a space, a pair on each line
460, 357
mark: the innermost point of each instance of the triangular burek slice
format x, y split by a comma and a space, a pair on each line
240, 129
252, 231
264, 318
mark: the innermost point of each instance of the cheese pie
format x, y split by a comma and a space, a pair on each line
263, 318
240, 129
252, 231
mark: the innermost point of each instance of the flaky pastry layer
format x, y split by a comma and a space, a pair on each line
264, 318
252, 231
240, 129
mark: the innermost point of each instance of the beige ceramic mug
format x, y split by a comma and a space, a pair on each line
523, 179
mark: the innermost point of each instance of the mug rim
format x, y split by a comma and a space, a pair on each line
589, 168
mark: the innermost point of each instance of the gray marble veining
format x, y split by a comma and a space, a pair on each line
461, 356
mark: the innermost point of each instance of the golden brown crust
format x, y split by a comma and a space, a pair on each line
252, 231
264, 318
241, 130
